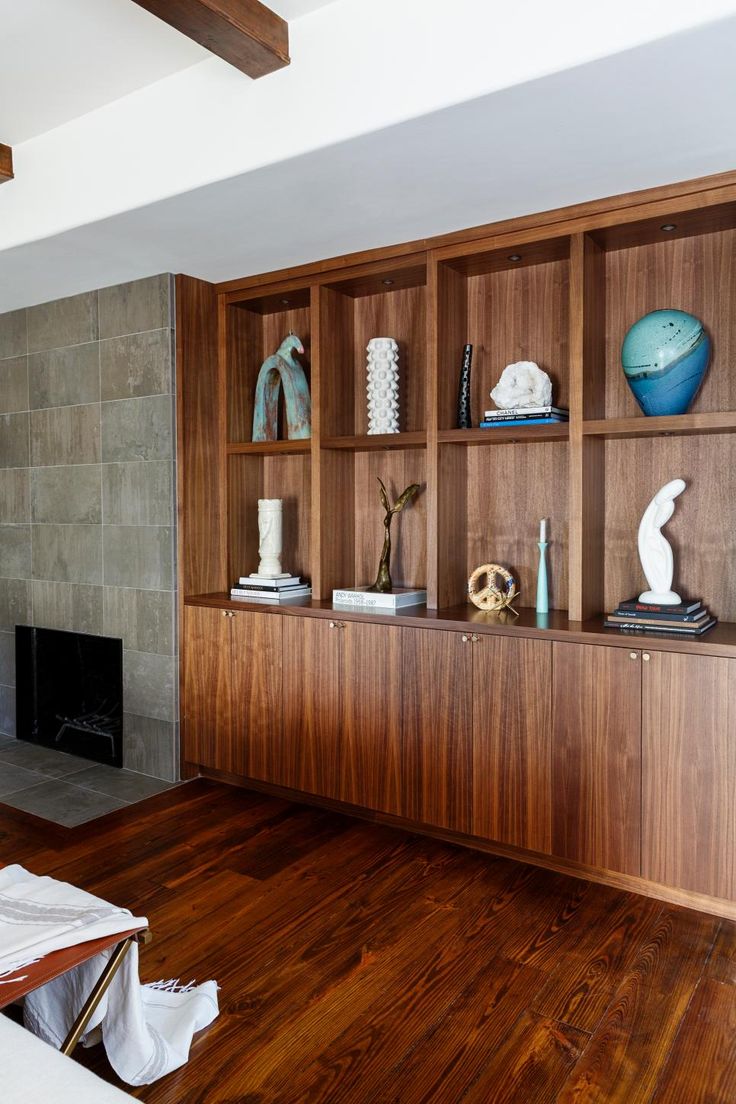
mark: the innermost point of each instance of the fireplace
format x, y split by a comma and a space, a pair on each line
70, 692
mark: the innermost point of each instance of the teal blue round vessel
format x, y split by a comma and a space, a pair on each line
665, 356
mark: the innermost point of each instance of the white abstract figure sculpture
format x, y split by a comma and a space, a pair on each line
522, 384
655, 552
383, 385
269, 539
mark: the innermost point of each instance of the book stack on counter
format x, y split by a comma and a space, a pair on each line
689, 618
290, 588
525, 415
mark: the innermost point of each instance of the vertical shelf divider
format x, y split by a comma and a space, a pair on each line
432, 422
587, 399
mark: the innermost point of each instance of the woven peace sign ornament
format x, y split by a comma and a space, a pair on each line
499, 590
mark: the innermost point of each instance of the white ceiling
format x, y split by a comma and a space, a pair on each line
609, 126
64, 58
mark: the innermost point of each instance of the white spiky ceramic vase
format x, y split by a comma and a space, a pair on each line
383, 385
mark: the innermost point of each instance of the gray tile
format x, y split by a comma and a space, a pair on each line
7, 658
65, 377
137, 429
65, 435
134, 307
67, 494
14, 441
7, 710
67, 553
71, 606
14, 778
63, 803
14, 384
151, 746
45, 760
136, 365
13, 338
124, 784
148, 685
70, 321
139, 493
15, 603
15, 499
139, 556
144, 619
15, 551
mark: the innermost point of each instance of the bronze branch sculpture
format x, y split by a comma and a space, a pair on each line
383, 584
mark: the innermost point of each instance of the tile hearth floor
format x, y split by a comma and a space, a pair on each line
64, 788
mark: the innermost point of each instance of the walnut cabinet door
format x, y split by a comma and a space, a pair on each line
596, 755
689, 772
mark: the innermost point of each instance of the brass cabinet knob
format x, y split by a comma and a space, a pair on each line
465, 638
646, 656
225, 613
475, 638
633, 655
337, 624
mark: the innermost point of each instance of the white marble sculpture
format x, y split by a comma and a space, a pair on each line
383, 385
522, 384
270, 512
655, 552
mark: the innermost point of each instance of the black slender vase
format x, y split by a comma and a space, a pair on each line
463, 393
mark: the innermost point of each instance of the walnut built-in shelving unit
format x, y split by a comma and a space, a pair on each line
561, 290
503, 733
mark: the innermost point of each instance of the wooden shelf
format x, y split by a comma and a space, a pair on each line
268, 448
670, 425
365, 443
555, 625
516, 434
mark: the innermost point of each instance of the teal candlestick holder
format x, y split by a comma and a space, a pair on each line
542, 589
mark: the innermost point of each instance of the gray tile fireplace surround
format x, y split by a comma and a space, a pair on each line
87, 514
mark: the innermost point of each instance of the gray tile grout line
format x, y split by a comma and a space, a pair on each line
81, 344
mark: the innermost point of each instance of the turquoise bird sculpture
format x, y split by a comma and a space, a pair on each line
282, 369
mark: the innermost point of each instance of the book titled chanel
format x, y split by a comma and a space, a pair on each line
363, 598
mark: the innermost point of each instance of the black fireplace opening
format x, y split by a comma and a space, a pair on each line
69, 692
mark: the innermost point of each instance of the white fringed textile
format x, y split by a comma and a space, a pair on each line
147, 1030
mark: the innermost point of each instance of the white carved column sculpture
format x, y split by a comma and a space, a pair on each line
269, 539
383, 385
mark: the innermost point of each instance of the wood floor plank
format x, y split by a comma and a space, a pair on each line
585, 978
628, 1050
722, 963
705, 1042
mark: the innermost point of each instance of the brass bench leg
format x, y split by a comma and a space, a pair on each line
100, 988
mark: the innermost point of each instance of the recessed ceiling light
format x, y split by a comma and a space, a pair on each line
514, 256
669, 226
387, 283
285, 302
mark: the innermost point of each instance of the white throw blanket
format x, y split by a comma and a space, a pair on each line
146, 1029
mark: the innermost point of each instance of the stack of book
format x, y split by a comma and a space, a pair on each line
288, 589
689, 618
525, 415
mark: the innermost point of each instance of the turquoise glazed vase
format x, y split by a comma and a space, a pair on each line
665, 355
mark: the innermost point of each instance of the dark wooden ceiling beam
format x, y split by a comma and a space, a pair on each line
244, 33
6, 163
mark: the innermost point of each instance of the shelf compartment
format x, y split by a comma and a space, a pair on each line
509, 310
377, 441
254, 329
490, 502
269, 448
252, 476
508, 435
381, 302
638, 268
675, 425
702, 531
351, 520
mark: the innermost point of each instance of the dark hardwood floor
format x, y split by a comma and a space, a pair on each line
361, 965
